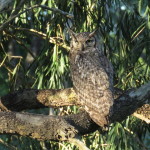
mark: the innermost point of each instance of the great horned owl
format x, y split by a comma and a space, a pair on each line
92, 76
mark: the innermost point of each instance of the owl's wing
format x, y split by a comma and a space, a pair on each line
93, 85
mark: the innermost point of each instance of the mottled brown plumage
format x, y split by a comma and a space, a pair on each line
92, 76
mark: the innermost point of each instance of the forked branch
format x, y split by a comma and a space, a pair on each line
62, 127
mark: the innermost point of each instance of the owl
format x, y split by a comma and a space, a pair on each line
92, 76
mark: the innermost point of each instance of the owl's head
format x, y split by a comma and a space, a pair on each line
82, 41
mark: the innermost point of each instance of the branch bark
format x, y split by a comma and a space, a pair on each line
33, 99
61, 127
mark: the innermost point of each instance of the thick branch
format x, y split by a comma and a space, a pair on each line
36, 126
130, 101
61, 127
44, 127
124, 105
143, 113
30, 99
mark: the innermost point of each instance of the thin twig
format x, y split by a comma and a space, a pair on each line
136, 138
57, 11
10, 147
20, 42
53, 40
78, 143
35, 6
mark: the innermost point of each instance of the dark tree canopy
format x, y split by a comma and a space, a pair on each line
37, 101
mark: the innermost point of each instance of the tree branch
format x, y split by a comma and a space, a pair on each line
61, 127
36, 126
12, 17
143, 113
32, 99
130, 101
56, 10
44, 127
55, 40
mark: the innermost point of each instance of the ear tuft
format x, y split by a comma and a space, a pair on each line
72, 34
93, 33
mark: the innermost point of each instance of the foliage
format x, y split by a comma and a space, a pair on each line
38, 58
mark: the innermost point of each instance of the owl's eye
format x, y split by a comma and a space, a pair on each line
90, 41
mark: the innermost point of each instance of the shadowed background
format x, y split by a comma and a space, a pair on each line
34, 51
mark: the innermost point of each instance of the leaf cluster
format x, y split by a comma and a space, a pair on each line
34, 54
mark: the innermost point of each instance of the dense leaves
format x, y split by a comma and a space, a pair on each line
34, 54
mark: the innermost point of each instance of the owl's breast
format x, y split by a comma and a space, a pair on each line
91, 70
79, 64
